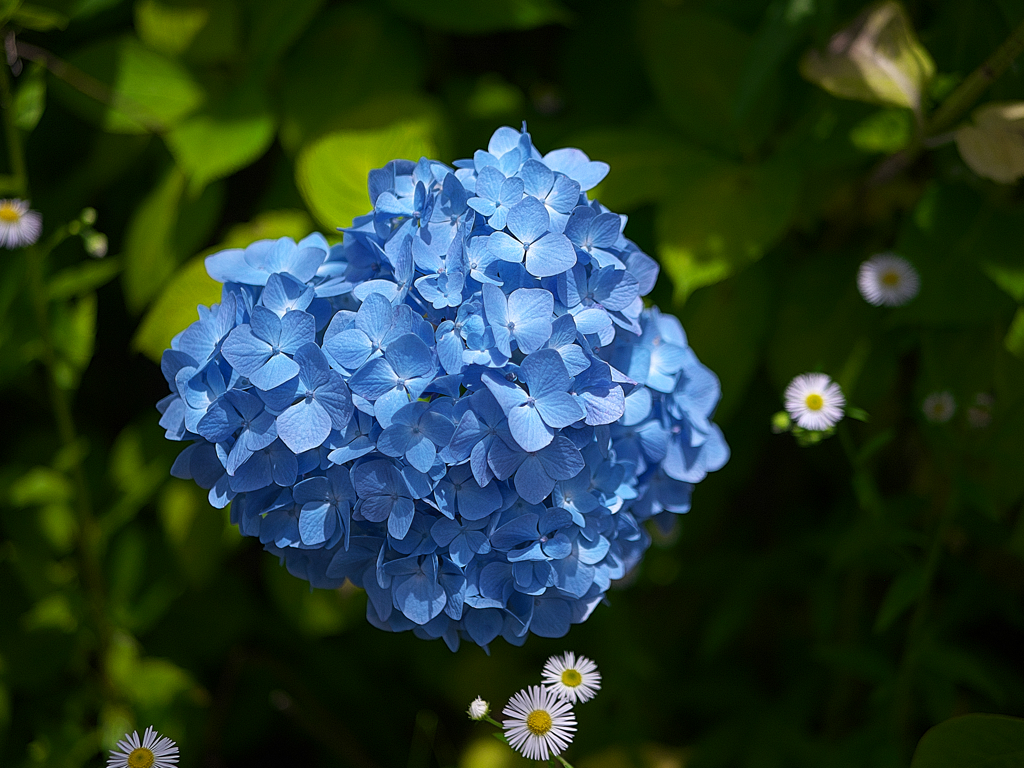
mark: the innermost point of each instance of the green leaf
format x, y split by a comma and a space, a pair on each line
340, 54
696, 63
905, 590
225, 137
972, 741
82, 278
52, 612
125, 87
1009, 277
1015, 336
74, 335
195, 530
149, 682
888, 131
274, 26
149, 256
39, 18
718, 222
30, 98
199, 30
472, 16
331, 172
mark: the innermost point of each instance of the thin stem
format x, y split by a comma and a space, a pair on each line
15, 151
953, 107
971, 89
563, 761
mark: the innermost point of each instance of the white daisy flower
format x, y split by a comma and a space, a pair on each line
815, 401
154, 751
538, 724
18, 225
939, 407
979, 415
887, 280
478, 709
572, 678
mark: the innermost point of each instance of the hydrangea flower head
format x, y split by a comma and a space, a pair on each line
815, 401
463, 407
152, 751
887, 280
19, 226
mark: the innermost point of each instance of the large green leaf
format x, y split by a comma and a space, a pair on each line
718, 222
125, 87
199, 30
227, 136
332, 171
972, 741
340, 55
472, 16
696, 63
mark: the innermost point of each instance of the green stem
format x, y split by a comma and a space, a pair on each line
15, 151
971, 89
492, 721
954, 106
562, 760
88, 542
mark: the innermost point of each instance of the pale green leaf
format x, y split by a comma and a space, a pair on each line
39, 18
82, 278
331, 172
887, 131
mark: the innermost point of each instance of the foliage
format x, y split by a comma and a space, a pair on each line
825, 604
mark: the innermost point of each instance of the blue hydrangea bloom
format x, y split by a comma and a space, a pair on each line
463, 407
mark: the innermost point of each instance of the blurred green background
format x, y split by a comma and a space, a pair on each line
819, 606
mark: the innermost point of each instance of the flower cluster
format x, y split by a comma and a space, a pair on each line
463, 408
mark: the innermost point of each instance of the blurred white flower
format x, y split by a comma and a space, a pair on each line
478, 709
815, 401
887, 280
939, 407
18, 225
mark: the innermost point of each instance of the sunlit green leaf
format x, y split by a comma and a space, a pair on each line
128, 88
227, 136
52, 612
146, 681
972, 741
74, 336
149, 256
469, 16
331, 172
199, 30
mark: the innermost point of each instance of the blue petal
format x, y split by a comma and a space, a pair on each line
528, 428
528, 221
550, 255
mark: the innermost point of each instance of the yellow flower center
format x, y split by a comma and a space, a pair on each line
9, 214
814, 401
890, 279
141, 758
538, 722
571, 678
